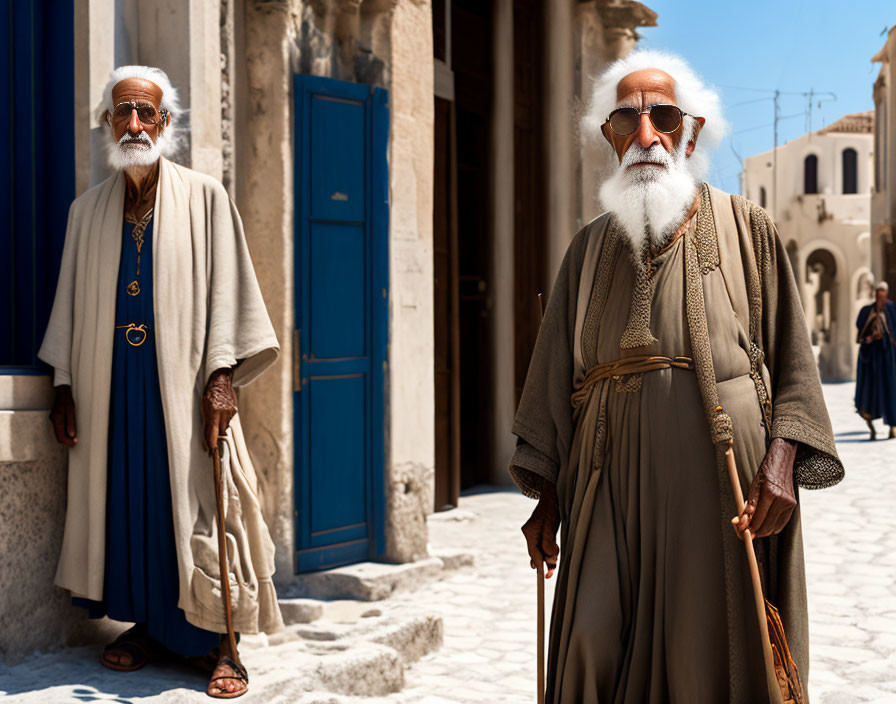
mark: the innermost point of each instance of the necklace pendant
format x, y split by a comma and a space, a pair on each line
133, 288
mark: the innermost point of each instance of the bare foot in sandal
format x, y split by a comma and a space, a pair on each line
131, 650
229, 679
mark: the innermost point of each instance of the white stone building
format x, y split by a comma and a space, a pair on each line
817, 188
409, 176
883, 196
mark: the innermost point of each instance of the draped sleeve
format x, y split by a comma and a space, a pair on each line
861, 320
240, 333
56, 348
799, 412
544, 423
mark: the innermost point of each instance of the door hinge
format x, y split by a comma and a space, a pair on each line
297, 360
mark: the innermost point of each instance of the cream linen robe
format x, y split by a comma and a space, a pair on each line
209, 314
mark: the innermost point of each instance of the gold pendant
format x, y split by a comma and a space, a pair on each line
140, 331
133, 288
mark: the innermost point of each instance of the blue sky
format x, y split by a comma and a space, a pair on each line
788, 45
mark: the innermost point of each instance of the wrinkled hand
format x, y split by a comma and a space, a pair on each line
218, 407
63, 416
541, 529
771, 500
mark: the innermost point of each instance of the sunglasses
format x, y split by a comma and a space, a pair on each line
664, 118
146, 113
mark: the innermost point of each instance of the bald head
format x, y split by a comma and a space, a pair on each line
648, 86
137, 89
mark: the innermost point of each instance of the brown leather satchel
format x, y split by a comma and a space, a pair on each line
785, 668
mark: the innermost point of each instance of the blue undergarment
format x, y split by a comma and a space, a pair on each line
141, 578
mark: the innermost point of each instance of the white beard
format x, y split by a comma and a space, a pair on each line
121, 155
650, 202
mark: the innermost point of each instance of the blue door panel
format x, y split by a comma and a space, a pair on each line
330, 556
337, 159
338, 452
338, 291
341, 267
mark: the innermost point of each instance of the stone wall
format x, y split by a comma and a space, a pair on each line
34, 614
233, 61
386, 44
411, 433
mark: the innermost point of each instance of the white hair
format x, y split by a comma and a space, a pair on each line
170, 100
882, 286
691, 94
649, 203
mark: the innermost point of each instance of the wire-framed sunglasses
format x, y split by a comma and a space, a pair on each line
146, 113
664, 118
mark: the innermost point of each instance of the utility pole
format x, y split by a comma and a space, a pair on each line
809, 112
775, 159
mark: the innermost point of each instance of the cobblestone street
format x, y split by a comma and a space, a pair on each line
488, 610
850, 543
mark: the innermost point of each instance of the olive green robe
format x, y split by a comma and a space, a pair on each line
653, 601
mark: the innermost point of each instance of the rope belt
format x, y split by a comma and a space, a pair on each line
622, 367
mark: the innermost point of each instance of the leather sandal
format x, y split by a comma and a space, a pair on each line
239, 674
136, 643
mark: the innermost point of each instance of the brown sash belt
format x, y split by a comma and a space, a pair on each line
622, 367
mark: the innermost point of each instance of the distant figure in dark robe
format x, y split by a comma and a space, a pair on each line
876, 370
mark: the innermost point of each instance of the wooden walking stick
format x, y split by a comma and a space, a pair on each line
540, 677
772, 677
540, 591
222, 549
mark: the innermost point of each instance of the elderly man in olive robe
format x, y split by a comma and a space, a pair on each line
674, 324
157, 317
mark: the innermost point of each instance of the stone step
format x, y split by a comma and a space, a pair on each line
412, 635
375, 581
300, 610
287, 672
365, 658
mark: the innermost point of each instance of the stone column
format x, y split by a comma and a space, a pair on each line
184, 39
410, 467
262, 77
94, 60
502, 200
606, 32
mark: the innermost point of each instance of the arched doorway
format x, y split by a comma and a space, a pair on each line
821, 275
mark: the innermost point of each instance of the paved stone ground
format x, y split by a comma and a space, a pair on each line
488, 610
850, 543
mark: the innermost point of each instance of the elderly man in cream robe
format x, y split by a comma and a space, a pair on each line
157, 317
674, 328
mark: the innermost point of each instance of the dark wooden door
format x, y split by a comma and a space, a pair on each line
529, 184
471, 57
445, 310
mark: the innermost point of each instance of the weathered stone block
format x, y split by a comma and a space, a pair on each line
366, 581
300, 610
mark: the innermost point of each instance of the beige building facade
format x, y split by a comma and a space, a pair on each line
883, 197
817, 188
487, 183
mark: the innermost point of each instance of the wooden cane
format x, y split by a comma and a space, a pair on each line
754, 575
540, 591
222, 549
540, 630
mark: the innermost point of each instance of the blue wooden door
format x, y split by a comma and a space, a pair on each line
341, 266
37, 169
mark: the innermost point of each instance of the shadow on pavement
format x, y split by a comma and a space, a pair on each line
92, 682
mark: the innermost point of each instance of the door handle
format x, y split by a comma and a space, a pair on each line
297, 360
